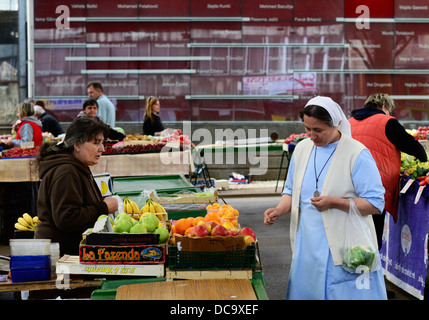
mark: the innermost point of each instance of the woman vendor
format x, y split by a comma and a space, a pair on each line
69, 200
29, 128
152, 123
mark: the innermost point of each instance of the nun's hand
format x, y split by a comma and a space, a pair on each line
322, 203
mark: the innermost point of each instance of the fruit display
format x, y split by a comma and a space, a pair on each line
413, 168
420, 133
134, 149
27, 223
220, 220
177, 135
131, 208
294, 137
148, 223
141, 137
17, 152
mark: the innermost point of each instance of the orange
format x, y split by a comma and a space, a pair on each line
212, 216
216, 205
181, 225
187, 231
191, 220
235, 212
196, 220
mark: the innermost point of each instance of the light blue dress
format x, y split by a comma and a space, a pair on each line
313, 275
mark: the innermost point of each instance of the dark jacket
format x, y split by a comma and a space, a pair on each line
69, 201
149, 127
50, 124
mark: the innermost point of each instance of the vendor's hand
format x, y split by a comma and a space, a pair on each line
322, 203
8, 141
270, 216
112, 204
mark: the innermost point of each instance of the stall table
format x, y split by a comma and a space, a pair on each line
145, 164
205, 289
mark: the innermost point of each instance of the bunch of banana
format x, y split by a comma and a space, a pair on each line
27, 223
153, 207
131, 208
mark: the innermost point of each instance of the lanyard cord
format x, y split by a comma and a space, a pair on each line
314, 163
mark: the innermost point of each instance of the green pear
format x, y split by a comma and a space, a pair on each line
102, 216
153, 217
163, 234
149, 223
123, 223
138, 228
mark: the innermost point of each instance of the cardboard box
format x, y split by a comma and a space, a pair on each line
138, 254
103, 234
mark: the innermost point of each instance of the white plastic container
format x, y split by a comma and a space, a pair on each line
55, 252
30, 247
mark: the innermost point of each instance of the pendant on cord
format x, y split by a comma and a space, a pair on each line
316, 193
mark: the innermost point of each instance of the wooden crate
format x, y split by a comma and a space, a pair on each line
185, 198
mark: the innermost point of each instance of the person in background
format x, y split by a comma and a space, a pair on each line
106, 109
69, 200
152, 123
90, 108
49, 123
385, 137
326, 171
28, 127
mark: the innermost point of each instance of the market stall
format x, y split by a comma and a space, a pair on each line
143, 245
176, 162
404, 252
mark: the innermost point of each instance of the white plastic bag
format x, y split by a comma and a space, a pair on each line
360, 251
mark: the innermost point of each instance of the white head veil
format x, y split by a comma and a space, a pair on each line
338, 117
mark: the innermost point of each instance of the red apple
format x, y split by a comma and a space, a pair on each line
247, 232
220, 230
205, 224
200, 231
232, 232
213, 224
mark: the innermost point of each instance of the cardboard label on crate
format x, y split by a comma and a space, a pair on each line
121, 254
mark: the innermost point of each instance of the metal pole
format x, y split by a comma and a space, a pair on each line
30, 48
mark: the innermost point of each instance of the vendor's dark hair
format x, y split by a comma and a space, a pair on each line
316, 112
90, 102
81, 130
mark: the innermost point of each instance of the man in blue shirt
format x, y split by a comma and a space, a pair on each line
106, 109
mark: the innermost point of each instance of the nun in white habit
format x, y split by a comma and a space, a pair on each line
325, 172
